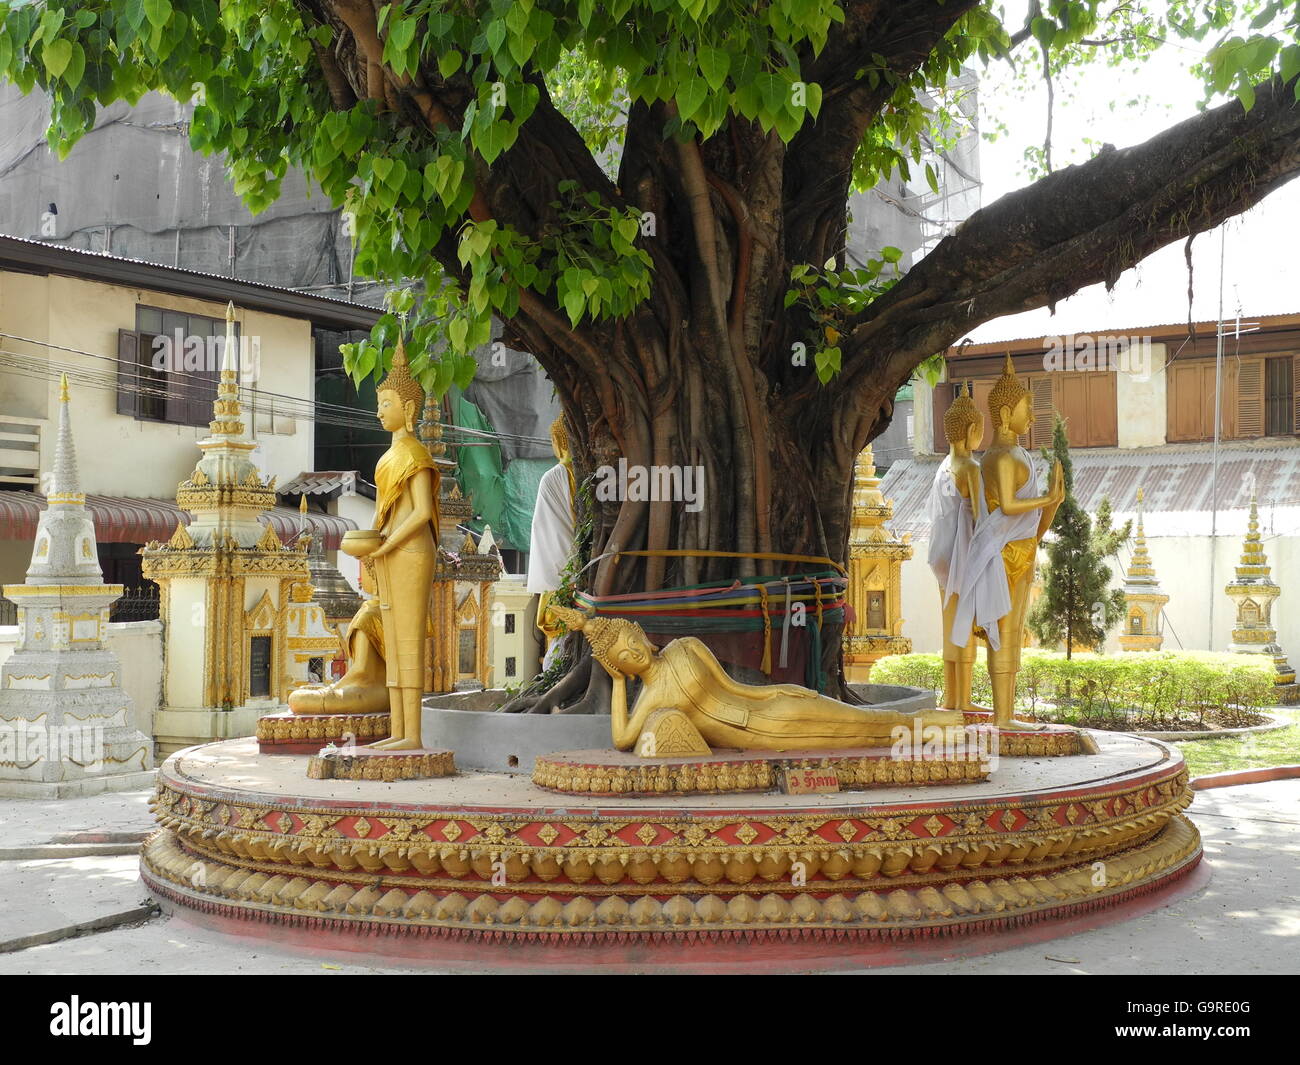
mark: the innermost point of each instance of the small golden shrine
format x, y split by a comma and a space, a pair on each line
1254, 591
225, 586
459, 656
876, 557
1143, 598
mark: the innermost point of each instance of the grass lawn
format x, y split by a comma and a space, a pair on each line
1253, 751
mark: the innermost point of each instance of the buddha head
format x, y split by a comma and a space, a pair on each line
962, 421
400, 396
560, 440
616, 643
1009, 402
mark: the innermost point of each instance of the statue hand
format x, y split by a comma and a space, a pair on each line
383, 549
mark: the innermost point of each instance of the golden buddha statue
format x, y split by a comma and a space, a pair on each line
363, 689
686, 678
404, 549
998, 572
953, 507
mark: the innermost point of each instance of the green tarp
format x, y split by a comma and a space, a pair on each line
505, 498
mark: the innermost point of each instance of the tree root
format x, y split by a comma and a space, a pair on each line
568, 686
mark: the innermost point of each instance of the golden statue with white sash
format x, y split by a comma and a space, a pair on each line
998, 571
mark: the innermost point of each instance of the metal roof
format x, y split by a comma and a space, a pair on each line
126, 520
1176, 482
36, 257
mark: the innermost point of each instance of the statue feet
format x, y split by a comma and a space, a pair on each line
1020, 726
396, 745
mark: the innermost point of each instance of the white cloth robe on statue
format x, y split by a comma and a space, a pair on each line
984, 596
551, 541
951, 527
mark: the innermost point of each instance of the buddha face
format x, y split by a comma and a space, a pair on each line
631, 653
392, 414
1019, 418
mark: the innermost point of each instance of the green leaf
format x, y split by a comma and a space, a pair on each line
890, 254
714, 65
457, 331
76, 66
157, 12
494, 139
814, 98
690, 95
56, 56
449, 63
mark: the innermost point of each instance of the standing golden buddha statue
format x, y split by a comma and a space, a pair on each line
954, 506
403, 547
999, 569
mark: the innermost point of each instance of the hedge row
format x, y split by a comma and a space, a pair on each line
1134, 691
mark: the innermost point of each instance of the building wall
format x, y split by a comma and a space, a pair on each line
118, 455
1141, 403
1183, 566
510, 595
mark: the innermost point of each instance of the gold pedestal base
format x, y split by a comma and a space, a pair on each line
363, 764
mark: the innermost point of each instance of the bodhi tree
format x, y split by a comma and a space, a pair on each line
691, 302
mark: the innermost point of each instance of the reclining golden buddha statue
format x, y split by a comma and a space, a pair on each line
685, 681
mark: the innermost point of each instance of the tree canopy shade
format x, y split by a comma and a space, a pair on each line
691, 303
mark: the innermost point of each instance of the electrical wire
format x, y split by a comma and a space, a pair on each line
139, 382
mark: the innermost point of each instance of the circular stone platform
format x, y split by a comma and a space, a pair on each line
487, 856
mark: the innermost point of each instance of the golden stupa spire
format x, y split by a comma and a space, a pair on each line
1254, 563
1141, 570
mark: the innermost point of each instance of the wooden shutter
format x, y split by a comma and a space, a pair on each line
1249, 404
128, 372
1041, 391
1100, 415
1295, 393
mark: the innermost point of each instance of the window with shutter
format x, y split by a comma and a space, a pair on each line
943, 394
128, 371
1191, 401
1249, 404
1102, 419
182, 388
1041, 391
1295, 393
1279, 396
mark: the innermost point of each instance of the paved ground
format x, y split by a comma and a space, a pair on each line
1246, 919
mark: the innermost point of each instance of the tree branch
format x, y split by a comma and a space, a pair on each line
1074, 228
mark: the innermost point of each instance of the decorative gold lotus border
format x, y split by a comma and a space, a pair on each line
971, 904
713, 776
1060, 742
953, 837
306, 728
387, 766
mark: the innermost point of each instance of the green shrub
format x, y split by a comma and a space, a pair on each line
1134, 691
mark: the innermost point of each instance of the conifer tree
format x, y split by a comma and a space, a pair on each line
1078, 607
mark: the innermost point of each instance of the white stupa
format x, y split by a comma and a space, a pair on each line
65, 722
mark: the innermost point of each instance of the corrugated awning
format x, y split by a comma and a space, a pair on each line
1176, 480
125, 520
